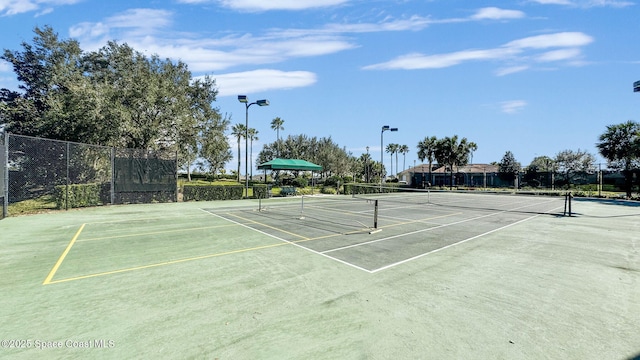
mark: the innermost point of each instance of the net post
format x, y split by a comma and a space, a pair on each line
302, 208
375, 215
567, 204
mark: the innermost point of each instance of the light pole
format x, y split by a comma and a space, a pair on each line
384, 128
243, 99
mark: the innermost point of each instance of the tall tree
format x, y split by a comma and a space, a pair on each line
253, 135
365, 160
427, 150
392, 149
46, 70
215, 149
571, 163
404, 150
541, 163
114, 96
453, 153
276, 124
509, 167
239, 131
620, 145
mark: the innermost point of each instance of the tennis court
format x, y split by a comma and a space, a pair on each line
374, 232
439, 276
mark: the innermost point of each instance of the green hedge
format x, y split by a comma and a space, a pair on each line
81, 195
212, 192
260, 191
350, 189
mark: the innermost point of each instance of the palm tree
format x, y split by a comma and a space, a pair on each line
238, 130
452, 153
620, 145
404, 149
276, 124
391, 149
253, 135
427, 150
365, 159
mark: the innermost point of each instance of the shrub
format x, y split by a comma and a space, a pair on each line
328, 190
212, 192
333, 181
260, 191
77, 195
299, 182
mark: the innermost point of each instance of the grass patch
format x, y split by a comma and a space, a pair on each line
33, 206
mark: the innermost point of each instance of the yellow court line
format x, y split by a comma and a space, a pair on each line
64, 254
48, 281
168, 263
154, 233
303, 239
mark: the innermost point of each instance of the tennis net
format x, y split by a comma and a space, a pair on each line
529, 202
337, 214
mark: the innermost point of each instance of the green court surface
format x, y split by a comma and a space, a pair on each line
316, 278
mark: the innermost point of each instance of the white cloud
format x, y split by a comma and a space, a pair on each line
262, 5
517, 50
494, 13
552, 2
263, 80
420, 61
559, 55
511, 70
14, 7
146, 30
5, 66
513, 106
587, 3
141, 18
137, 22
563, 39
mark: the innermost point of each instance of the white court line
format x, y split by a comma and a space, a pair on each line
287, 241
432, 228
324, 253
454, 244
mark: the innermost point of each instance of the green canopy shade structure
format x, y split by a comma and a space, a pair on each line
289, 164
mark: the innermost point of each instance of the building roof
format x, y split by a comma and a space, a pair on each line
472, 168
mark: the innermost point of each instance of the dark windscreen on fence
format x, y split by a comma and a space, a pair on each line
3, 177
142, 176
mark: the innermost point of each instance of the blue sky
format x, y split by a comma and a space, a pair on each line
533, 77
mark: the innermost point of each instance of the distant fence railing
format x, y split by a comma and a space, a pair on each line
45, 174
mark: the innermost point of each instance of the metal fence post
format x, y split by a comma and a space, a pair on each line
5, 178
66, 188
113, 176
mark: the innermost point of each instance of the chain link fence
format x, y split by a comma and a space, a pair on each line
41, 174
4, 175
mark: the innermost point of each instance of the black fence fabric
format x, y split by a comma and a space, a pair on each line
3, 176
144, 176
38, 171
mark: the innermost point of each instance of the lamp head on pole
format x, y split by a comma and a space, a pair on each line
242, 98
262, 102
393, 129
385, 127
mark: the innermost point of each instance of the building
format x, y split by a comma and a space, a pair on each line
474, 175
